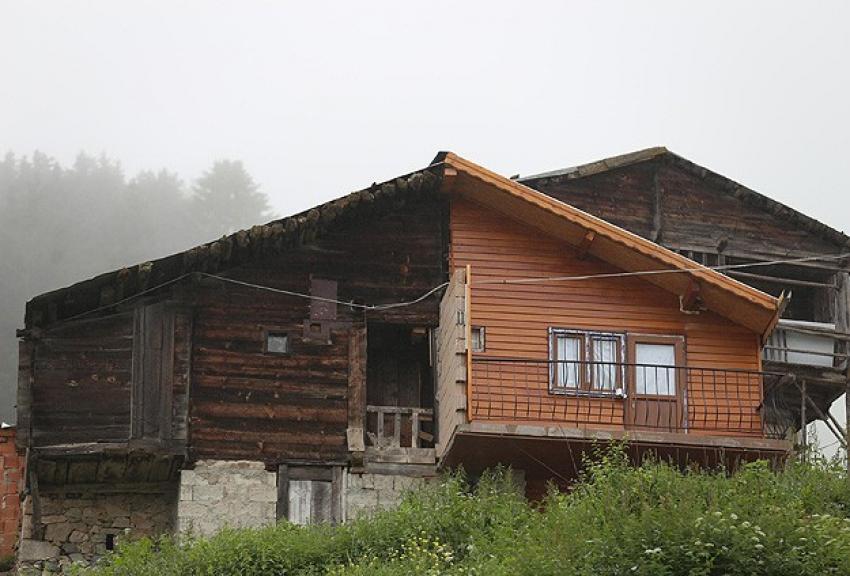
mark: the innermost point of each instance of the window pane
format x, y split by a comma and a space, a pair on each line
477, 339
277, 343
569, 357
604, 367
654, 378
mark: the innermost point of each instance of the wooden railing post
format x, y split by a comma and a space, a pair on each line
468, 338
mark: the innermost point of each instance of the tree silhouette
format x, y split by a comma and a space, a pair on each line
227, 199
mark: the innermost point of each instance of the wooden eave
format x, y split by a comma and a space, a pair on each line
730, 298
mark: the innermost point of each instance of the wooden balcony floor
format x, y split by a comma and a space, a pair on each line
556, 451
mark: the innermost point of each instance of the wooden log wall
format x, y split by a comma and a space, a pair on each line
517, 319
250, 404
695, 213
81, 382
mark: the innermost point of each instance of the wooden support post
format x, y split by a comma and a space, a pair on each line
691, 298
35, 496
804, 440
282, 508
468, 337
356, 389
584, 246
828, 419
414, 429
842, 325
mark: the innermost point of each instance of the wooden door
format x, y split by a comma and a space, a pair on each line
657, 381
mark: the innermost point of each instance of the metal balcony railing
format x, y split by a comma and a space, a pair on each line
632, 396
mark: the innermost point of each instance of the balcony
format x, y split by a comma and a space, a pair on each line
399, 435
678, 411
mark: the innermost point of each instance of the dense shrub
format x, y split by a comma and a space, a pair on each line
650, 520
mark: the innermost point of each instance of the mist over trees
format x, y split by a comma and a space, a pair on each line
60, 225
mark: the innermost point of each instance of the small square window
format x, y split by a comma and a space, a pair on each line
277, 343
478, 339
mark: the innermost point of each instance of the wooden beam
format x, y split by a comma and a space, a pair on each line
582, 249
691, 299
657, 208
111, 488
779, 279
357, 344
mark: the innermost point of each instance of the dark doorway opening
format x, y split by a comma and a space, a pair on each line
399, 386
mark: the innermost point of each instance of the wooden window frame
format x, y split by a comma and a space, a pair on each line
482, 340
270, 331
586, 385
680, 355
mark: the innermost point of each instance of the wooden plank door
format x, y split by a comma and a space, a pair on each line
657, 382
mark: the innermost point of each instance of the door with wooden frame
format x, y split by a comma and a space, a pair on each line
657, 383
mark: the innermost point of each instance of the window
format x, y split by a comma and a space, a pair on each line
591, 361
650, 375
277, 343
478, 339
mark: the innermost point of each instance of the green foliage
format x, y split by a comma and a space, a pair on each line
650, 520
7, 562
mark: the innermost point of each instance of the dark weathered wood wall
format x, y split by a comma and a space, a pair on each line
249, 404
694, 213
82, 381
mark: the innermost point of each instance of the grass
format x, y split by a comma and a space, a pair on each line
649, 520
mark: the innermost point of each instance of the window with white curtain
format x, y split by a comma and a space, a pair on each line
651, 376
589, 361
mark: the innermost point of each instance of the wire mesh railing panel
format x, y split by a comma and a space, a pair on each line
632, 396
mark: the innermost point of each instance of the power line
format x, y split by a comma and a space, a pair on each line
532, 280
437, 288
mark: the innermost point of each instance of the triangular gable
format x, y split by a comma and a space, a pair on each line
734, 300
717, 181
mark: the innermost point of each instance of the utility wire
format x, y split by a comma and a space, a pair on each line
655, 272
435, 289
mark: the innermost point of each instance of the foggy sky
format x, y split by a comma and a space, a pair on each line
319, 99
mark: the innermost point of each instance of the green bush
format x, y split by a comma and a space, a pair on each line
649, 520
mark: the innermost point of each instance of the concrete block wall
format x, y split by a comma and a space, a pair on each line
219, 493
365, 493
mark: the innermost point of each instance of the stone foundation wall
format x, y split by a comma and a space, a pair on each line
77, 526
219, 493
365, 493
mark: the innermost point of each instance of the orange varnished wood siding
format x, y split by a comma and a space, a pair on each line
517, 318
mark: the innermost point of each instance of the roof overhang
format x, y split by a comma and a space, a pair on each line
629, 252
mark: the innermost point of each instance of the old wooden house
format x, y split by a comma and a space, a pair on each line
318, 366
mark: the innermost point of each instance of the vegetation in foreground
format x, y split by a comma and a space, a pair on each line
619, 520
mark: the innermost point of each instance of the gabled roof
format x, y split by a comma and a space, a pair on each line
727, 185
113, 288
734, 300
738, 302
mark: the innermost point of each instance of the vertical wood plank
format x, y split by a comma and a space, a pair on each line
468, 337
282, 508
26, 353
397, 430
137, 373
414, 429
337, 491
356, 388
